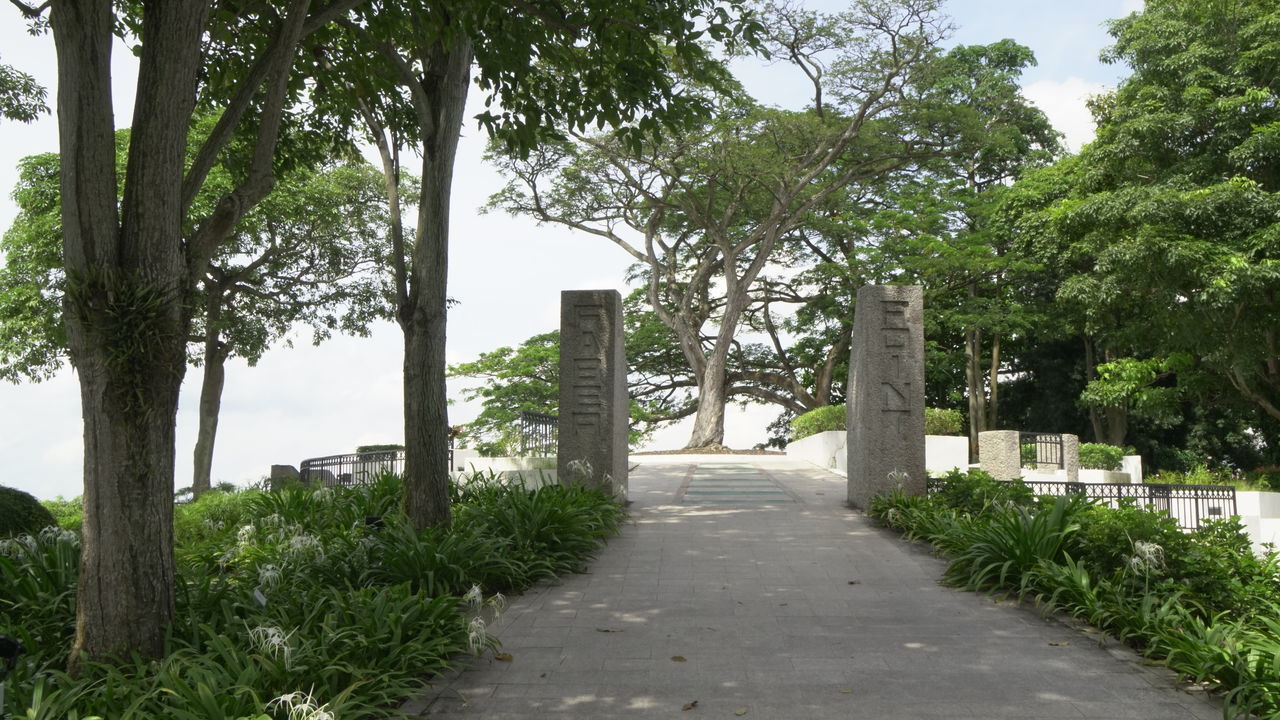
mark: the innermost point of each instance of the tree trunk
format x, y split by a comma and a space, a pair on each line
214, 377
708, 423
973, 380
426, 422
125, 313
993, 384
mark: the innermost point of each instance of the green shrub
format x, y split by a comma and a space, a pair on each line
828, 417
22, 514
1100, 456
291, 598
1199, 475
974, 491
69, 514
379, 448
943, 421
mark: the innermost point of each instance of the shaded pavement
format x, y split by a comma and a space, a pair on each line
745, 584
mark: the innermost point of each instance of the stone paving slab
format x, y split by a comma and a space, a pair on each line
796, 609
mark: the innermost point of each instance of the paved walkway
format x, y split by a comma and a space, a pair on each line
743, 587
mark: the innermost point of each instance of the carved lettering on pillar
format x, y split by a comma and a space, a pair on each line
589, 329
586, 392
895, 395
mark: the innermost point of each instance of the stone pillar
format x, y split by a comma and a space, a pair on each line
1000, 454
1071, 456
885, 393
595, 412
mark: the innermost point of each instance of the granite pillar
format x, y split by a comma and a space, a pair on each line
1071, 456
886, 393
595, 411
1000, 454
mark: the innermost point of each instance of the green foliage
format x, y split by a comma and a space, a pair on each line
943, 421
1017, 539
821, 419
1100, 456
379, 448
974, 491
22, 514
355, 614
69, 514
21, 97
1202, 603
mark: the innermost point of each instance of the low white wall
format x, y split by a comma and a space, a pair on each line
942, 453
824, 449
1090, 475
1260, 514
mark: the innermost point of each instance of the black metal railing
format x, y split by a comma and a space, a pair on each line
1189, 505
538, 434
1041, 450
354, 468
350, 469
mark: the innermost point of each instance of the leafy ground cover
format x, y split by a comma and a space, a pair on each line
1201, 602
318, 604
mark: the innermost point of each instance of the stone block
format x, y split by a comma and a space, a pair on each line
595, 411
1000, 454
886, 393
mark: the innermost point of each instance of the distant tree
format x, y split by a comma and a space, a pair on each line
703, 213
311, 254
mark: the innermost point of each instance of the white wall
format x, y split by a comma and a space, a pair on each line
827, 450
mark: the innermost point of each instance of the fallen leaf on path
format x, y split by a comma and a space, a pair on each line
846, 691
504, 657
690, 705
740, 711
1060, 644
608, 629
855, 582
677, 658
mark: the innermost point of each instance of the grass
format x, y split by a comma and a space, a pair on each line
291, 606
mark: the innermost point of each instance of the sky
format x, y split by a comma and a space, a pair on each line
506, 274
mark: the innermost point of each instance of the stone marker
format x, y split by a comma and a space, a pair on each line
1000, 454
595, 412
886, 392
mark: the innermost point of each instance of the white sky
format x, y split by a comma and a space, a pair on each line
506, 272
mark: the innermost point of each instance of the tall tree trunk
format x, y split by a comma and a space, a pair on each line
708, 423
213, 380
1110, 424
440, 106
125, 313
973, 373
993, 384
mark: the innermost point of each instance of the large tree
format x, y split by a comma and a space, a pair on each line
134, 260
404, 74
1172, 222
704, 212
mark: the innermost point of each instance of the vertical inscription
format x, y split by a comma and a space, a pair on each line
895, 395
587, 393
588, 317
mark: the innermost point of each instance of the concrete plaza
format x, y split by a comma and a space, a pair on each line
742, 586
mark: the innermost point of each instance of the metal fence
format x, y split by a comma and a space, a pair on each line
539, 433
1041, 450
354, 468
351, 469
1189, 505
